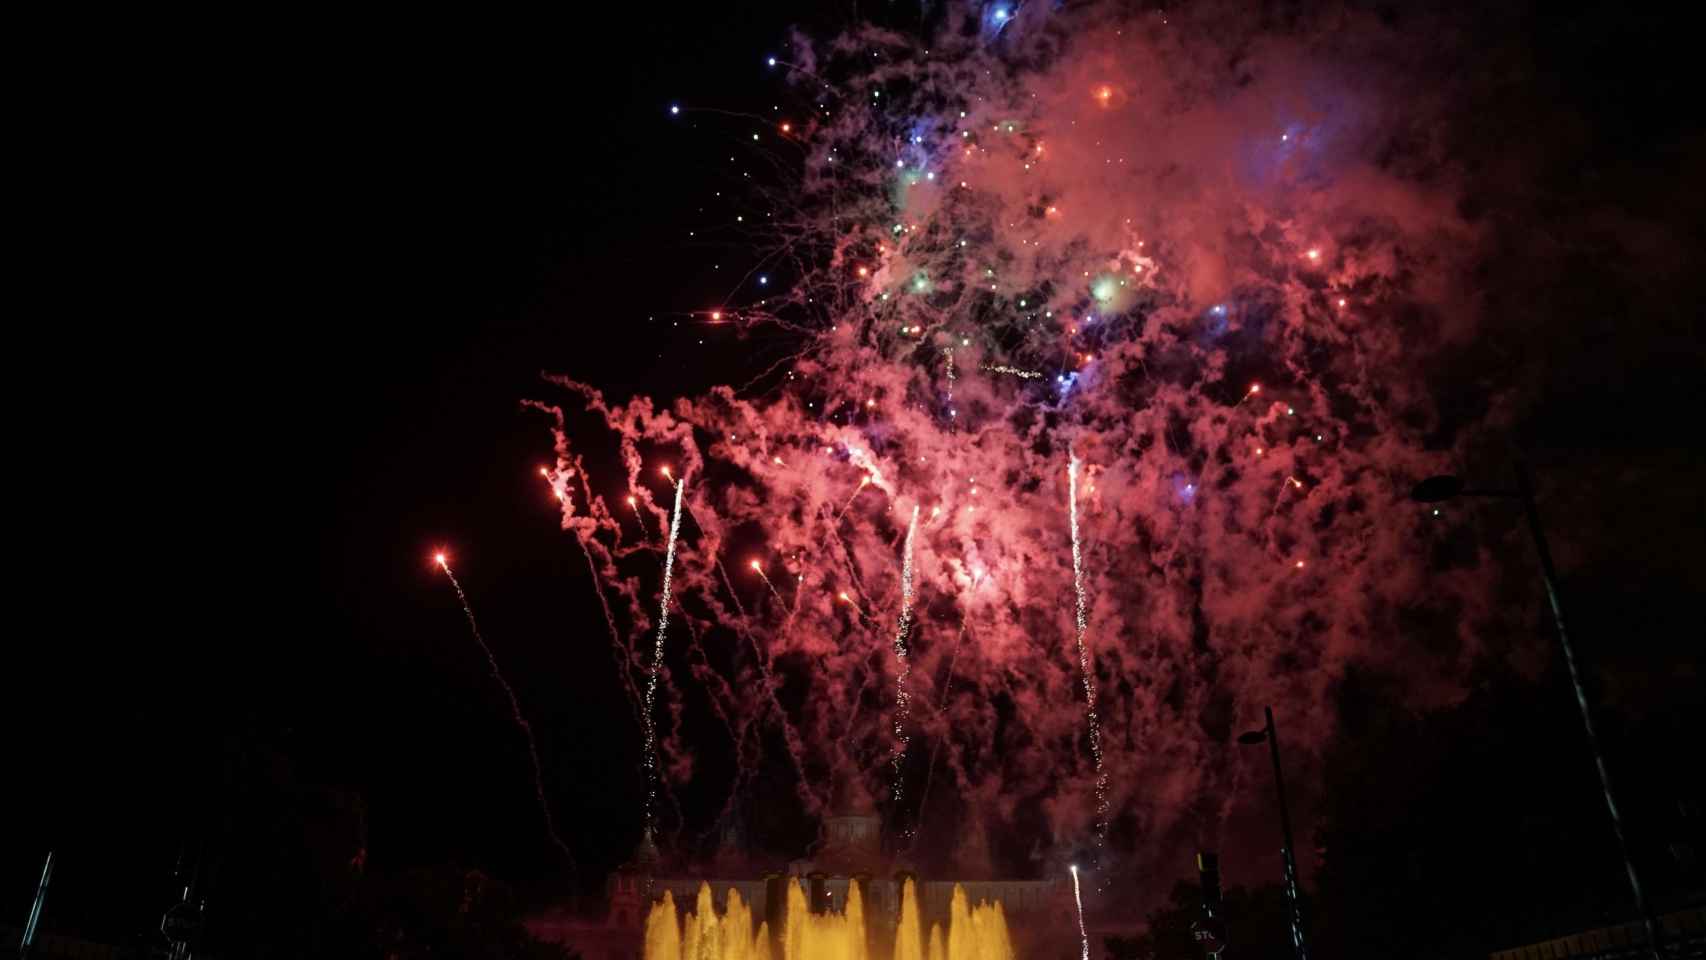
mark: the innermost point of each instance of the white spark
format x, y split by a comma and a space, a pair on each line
651, 757
1082, 622
1078, 897
902, 698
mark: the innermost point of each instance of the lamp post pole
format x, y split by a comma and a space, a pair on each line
1525, 489
1293, 892
1437, 489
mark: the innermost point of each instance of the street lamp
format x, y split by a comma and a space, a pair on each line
1271, 735
1441, 488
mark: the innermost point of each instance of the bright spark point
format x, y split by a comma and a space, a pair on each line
755, 565
1314, 254
1300, 564
716, 314
674, 110
770, 62
439, 559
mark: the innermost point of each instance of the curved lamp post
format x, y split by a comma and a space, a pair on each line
1293, 895
1442, 488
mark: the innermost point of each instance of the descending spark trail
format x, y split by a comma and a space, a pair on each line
639, 518
1081, 621
902, 697
515, 710
942, 704
759, 568
1078, 898
863, 483
651, 757
790, 734
619, 651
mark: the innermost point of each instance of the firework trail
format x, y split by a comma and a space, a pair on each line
942, 703
903, 697
515, 710
864, 482
948, 353
759, 569
718, 692
959, 640
1078, 898
651, 757
620, 653
1081, 622
1013, 371
639, 518
790, 735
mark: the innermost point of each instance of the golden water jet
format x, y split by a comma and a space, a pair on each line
972, 933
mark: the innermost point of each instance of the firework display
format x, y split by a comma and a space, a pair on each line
1161, 272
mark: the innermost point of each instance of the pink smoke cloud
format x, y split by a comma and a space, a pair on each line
1185, 248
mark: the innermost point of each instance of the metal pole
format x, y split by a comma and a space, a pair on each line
1550, 576
1291, 889
29, 940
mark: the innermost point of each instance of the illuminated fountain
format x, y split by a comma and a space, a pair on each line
972, 932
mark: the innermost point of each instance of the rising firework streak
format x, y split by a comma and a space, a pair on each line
1078, 898
1081, 622
902, 696
651, 755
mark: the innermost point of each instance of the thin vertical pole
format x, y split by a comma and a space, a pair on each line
36, 907
1293, 894
1547, 573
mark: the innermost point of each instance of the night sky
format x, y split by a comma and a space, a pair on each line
305, 283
